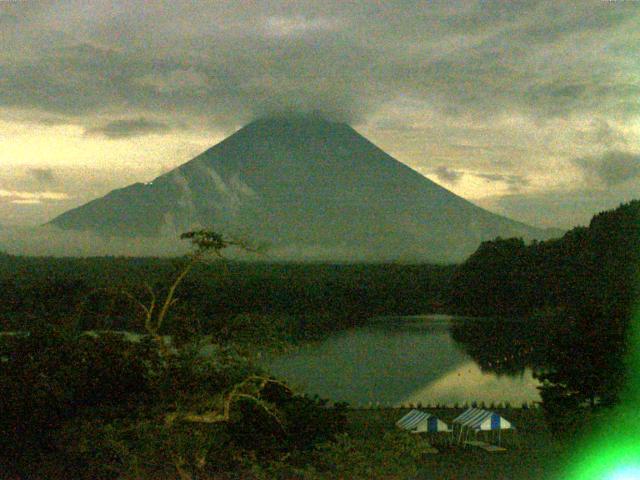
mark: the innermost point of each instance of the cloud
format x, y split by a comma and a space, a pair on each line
47, 240
447, 174
44, 176
283, 26
606, 135
486, 95
7, 18
128, 128
601, 132
611, 168
175, 81
511, 180
27, 201
453, 176
13, 195
234, 62
558, 209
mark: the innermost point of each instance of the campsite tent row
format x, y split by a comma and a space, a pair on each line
471, 421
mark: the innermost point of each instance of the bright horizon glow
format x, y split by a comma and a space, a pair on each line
45, 195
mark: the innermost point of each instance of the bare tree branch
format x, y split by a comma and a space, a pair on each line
234, 394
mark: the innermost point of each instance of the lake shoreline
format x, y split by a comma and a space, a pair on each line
395, 361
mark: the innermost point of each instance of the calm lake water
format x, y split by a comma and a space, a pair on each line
398, 360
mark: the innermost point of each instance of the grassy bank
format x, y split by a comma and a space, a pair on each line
537, 455
373, 447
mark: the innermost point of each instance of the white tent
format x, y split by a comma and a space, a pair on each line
474, 420
422, 422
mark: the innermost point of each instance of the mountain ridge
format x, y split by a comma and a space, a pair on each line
305, 185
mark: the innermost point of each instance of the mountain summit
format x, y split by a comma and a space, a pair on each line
312, 189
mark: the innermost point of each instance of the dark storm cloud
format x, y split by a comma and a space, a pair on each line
511, 180
453, 176
611, 168
128, 128
44, 176
447, 174
606, 96
229, 62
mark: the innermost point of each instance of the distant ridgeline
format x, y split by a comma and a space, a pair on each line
576, 296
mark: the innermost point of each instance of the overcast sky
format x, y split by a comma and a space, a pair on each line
531, 109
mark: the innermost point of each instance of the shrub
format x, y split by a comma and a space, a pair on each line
102, 402
561, 409
50, 375
395, 455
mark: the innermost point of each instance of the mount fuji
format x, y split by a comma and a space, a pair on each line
312, 189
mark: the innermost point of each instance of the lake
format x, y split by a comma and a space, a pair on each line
399, 360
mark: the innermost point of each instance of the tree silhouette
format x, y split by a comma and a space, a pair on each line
206, 243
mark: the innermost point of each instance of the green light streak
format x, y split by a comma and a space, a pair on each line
613, 451
625, 474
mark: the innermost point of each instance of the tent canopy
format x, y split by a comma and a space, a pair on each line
482, 420
420, 422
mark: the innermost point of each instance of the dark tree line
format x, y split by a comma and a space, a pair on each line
85, 292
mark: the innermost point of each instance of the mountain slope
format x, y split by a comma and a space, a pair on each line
309, 187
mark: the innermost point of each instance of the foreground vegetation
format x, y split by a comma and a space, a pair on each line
373, 447
80, 405
103, 404
104, 407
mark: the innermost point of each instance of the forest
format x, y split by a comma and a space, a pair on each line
100, 293
576, 297
101, 406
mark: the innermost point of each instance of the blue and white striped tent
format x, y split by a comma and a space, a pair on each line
478, 419
422, 422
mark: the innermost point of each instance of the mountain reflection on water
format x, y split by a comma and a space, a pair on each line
422, 359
